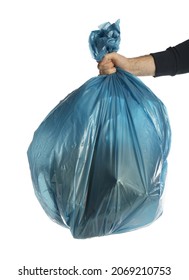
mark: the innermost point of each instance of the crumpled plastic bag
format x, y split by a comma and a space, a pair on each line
98, 161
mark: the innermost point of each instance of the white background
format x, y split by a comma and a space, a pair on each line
44, 55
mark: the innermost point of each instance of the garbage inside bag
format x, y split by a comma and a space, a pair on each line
98, 161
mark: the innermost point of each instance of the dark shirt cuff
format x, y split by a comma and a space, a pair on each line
173, 61
165, 63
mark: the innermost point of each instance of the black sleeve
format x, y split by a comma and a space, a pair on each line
172, 61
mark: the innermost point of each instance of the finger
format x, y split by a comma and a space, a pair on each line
107, 71
101, 64
107, 65
104, 60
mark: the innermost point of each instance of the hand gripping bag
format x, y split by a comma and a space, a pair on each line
98, 160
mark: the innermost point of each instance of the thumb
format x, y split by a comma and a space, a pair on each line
110, 56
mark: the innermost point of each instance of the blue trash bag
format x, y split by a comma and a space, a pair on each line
98, 161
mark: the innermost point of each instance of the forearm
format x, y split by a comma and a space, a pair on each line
141, 66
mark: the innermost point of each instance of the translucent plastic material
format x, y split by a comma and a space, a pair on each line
98, 160
105, 40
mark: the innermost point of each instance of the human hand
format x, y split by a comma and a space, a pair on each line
139, 66
110, 62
